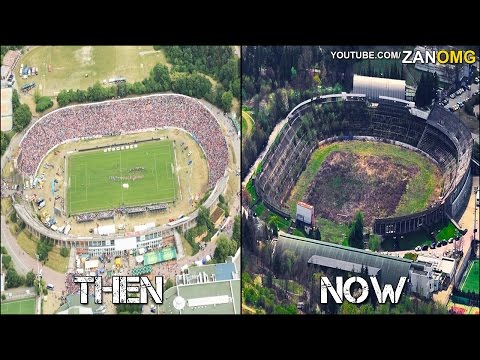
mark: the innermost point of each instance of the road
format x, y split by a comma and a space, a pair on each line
24, 263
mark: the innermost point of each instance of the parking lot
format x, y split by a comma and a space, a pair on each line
462, 98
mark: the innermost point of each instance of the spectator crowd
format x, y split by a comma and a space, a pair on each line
124, 116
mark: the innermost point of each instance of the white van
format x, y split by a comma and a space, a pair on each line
50, 287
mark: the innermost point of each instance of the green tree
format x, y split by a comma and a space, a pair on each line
15, 100
355, 237
203, 218
4, 141
6, 261
30, 278
13, 280
161, 76
21, 117
236, 236
227, 99
168, 284
64, 252
225, 247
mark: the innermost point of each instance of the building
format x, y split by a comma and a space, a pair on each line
375, 87
447, 73
423, 280
10, 60
206, 289
6, 109
73, 306
388, 269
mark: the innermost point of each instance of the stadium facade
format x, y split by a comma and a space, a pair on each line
114, 244
439, 135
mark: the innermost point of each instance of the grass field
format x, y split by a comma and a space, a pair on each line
19, 307
472, 279
70, 64
247, 122
412, 240
55, 261
420, 188
92, 188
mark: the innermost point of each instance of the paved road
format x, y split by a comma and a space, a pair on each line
24, 263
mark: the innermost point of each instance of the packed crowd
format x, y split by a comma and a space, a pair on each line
95, 215
127, 115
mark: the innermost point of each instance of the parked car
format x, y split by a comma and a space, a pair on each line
450, 240
425, 247
433, 245
418, 248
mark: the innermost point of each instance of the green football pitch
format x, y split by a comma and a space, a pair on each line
472, 278
26, 306
99, 180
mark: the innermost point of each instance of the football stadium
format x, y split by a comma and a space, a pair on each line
121, 175
382, 145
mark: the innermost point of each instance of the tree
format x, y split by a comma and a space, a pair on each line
21, 117
6, 261
161, 76
12, 279
236, 236
355, 237
30, 278
15, 100
4, 141
129, 308
227, 99
168, 284
225, 247
203, 218
64, 252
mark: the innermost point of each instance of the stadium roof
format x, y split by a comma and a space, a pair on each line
392, 268
374, 87
342, 265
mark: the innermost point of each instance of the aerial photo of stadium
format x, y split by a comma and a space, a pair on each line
366, 171
122, 176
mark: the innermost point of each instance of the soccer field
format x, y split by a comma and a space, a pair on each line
472, 278
99, 180
26, 306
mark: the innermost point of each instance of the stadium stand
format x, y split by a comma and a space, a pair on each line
126, 116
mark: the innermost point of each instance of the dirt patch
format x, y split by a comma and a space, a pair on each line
84, 55
347, 183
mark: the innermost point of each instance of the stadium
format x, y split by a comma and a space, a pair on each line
141, 165
437, 136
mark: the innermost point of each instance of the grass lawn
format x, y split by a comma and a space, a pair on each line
252, 191
70, 64
90, 183
247, 122
447, 232
55, 261
332, 232
6, 205
28, 245
472, 279
412, 240
408, 242
420, 187
259, 209
187, 248
19, 307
